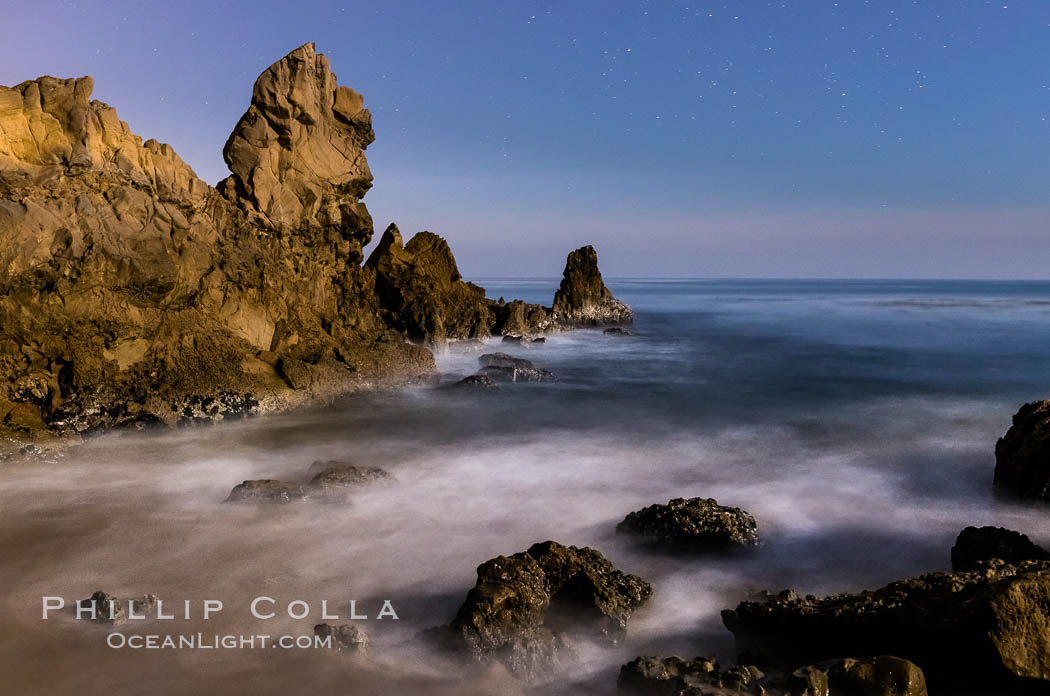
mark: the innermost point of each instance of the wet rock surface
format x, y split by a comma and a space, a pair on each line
1022, 456
673, 676
617, 331
692, 525
994, 621
976, 546
267, 491
526, 610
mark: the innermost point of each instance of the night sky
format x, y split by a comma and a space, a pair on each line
761, 139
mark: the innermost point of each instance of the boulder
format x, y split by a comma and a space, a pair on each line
975, 546
527, 609
986, 628
701, 676
1022, 456
582, 298
344, 637
267, 491
692, 525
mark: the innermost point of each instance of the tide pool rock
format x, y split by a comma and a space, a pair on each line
692, 525
988, 628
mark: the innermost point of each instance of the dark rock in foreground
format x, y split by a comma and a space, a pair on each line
582, 298
344, 636
527, 609
617, 331
267, 491
672, 676
694, 524
987, 627
975, 546
1022, 456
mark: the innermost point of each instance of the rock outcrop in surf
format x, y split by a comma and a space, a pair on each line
133, 293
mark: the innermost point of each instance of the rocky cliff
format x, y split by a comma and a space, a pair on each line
133, 292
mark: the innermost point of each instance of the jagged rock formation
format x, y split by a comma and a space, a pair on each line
133, 293
526, 609
582, 298
692, 525
986, 627
421, 291
701, 676
1022, 456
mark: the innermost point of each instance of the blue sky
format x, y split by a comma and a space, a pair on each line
786, 139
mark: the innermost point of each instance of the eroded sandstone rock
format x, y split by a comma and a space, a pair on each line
527, 609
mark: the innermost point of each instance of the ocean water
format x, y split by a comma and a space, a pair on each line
856, 420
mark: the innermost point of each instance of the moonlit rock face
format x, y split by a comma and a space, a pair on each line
297, 154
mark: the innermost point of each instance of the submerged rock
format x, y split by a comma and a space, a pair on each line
617, 331
517, 374
504, 360
694, 524
526, 609
482, 382
107, 609
582, 298
344, 637
701, 676
1022, 456
338, 476
976, 546
267, 491
985, 627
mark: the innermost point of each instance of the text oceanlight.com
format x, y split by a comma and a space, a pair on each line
202, 641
